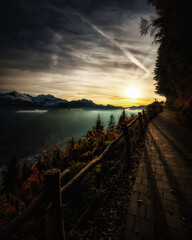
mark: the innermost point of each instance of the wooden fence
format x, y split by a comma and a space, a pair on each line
48, 202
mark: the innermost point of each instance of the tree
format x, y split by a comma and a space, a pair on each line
99, 126
111, 124
122, 117
170, 29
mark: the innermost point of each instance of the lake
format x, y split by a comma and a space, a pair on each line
27, 132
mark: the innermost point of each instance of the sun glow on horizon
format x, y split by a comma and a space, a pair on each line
133, 92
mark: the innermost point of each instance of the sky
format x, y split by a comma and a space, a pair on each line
76, 49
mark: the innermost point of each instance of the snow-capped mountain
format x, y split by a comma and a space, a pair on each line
46, 101
15, 98
21, 99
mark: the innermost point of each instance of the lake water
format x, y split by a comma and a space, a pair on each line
27, 132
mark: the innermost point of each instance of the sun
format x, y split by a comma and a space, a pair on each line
133, 92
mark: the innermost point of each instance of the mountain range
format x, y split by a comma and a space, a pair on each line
16, 99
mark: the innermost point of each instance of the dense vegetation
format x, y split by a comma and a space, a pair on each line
173, 70
22, 183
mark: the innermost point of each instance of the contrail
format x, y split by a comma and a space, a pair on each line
126, 53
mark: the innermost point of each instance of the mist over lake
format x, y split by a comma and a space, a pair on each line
27, 132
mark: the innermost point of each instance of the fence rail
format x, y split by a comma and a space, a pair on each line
54, 226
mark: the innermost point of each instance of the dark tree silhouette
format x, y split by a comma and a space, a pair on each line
111, 124
99, 126
122, 117
171, 29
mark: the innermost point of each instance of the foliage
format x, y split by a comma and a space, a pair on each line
155, 106
173, 69
122, 118
99, 125
33, 184
111, 125
24, 183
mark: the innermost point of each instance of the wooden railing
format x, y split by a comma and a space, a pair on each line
48, 203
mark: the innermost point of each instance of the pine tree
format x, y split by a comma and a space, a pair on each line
111, 124
122, 117
99, 125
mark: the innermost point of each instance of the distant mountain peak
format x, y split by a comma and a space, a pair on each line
86, 100
46, 95
138, 107
15, 98
48, 100
13, 93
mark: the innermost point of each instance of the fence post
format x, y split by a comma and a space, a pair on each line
127, 152
144, 118
54, 226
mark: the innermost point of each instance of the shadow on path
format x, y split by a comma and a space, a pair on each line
177, 147
178, 193
161, 203
154, 192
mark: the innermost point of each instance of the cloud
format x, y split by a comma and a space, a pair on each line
125, 52
72, 46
